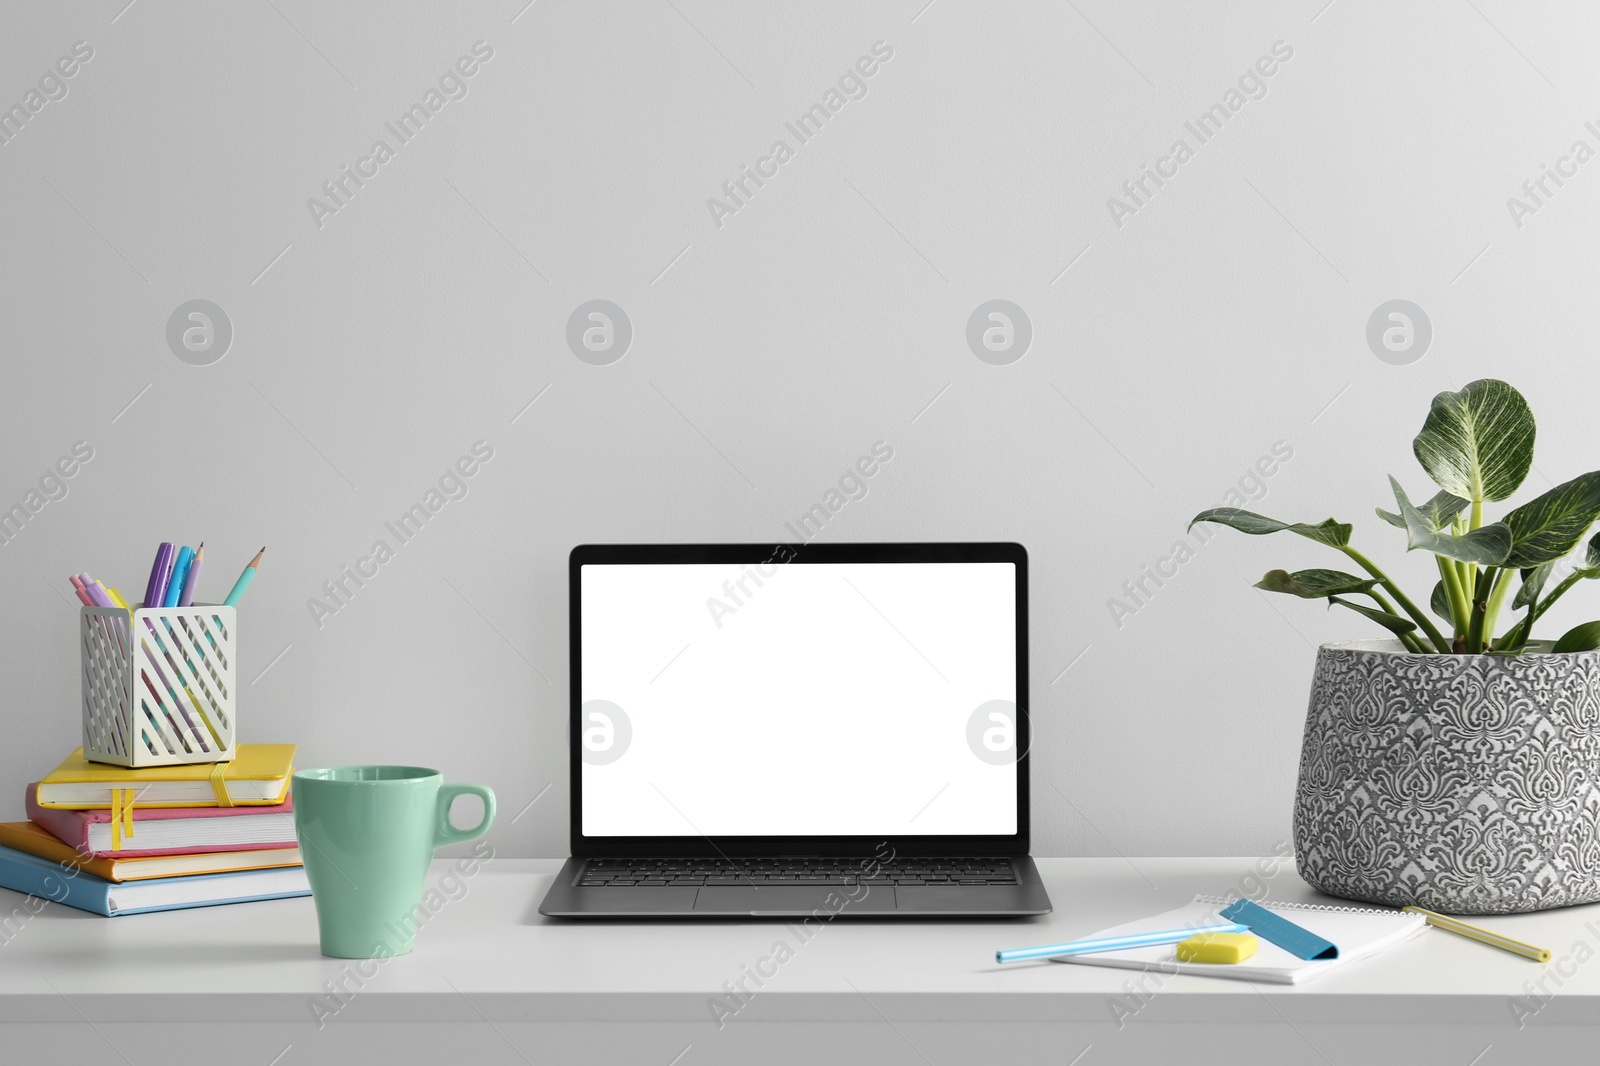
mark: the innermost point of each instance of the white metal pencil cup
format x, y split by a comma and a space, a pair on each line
158, 685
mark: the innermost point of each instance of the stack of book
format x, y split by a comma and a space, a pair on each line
116, 841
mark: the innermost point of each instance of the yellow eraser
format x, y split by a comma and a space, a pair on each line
1217, 947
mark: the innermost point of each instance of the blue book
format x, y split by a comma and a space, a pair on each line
47, 880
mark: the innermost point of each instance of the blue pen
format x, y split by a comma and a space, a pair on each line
180, 571
1116, 943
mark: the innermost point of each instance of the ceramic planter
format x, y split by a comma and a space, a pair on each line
1460, 783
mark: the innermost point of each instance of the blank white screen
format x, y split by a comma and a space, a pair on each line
833, 699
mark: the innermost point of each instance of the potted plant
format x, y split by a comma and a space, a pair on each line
1456, 765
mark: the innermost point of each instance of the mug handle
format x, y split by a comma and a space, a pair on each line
445, 833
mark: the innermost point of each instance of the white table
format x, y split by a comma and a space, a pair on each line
491, 981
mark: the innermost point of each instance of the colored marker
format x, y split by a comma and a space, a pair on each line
180, 573
77, 586
245, 578
160, 572
192, 576
96, 593
116, 598
98, 598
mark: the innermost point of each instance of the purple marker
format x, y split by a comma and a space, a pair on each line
160, 573
95, 592
96, 596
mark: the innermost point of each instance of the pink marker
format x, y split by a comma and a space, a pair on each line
77, 586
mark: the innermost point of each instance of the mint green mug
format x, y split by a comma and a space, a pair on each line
367, 835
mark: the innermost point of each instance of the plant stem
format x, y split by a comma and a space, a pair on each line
1555, 594
1469, 571
1458, 526
1538, 609
1513, 638
1417, 616
1453, 591
1408, 639
1497, 598
1480, 608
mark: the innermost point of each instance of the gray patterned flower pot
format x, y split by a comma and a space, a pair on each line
1460, 783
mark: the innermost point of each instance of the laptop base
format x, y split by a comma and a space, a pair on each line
571, 897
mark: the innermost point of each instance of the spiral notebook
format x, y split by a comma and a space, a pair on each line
1357, 931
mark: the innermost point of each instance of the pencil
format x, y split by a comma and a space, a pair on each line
1482, 936
1116, 943
245, 577
190, 579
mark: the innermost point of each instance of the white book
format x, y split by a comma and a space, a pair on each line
1356, 931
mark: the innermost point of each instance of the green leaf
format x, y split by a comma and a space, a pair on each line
1334, 534
1439, 602
1591, 560
1314, 584
1580, 638
1477, 443
1533, 581
1546, 528
1392, 622
1438, 511
1486, 546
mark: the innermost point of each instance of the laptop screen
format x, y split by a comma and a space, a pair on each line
806, 699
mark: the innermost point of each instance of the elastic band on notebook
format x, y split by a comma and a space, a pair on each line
121, 815
219, 786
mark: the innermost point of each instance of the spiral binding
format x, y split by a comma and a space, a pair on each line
1274, 904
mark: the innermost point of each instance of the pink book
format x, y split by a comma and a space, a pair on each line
169, 830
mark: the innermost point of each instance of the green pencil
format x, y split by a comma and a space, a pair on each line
245, 578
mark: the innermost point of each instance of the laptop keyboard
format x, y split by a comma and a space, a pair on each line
620, 873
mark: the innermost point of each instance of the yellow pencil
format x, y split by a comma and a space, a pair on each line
1482, 936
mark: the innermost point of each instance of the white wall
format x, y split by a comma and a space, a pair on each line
1169, 352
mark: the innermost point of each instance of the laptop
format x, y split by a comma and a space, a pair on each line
798, 730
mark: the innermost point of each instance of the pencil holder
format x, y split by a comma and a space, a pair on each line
158, 685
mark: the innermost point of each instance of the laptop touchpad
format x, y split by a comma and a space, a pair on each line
791, 900
647, 900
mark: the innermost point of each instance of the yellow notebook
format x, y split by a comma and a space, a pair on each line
29, 838
258, 775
